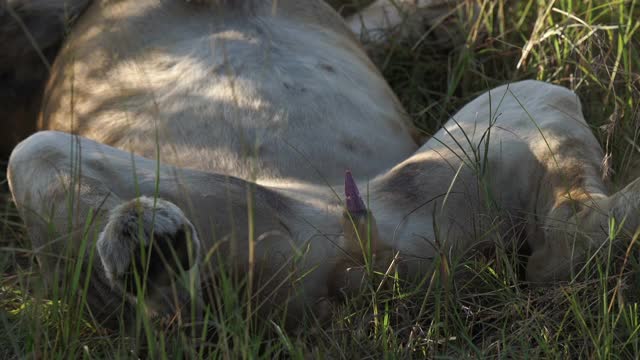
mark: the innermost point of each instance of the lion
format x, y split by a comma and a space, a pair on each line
177, 137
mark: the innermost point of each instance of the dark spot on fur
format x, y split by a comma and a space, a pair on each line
349, 145
328, 68
352, 145
292, 87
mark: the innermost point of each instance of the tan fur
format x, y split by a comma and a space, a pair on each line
255, 116
384, 18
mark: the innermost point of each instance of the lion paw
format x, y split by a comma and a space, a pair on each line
149, 236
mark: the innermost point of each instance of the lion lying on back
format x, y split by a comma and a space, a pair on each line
225, 138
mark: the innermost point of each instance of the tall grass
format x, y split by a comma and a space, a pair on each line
476, 307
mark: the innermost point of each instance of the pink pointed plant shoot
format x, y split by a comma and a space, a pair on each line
355, 205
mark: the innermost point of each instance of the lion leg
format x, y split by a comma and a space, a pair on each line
71, 193
386, 17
